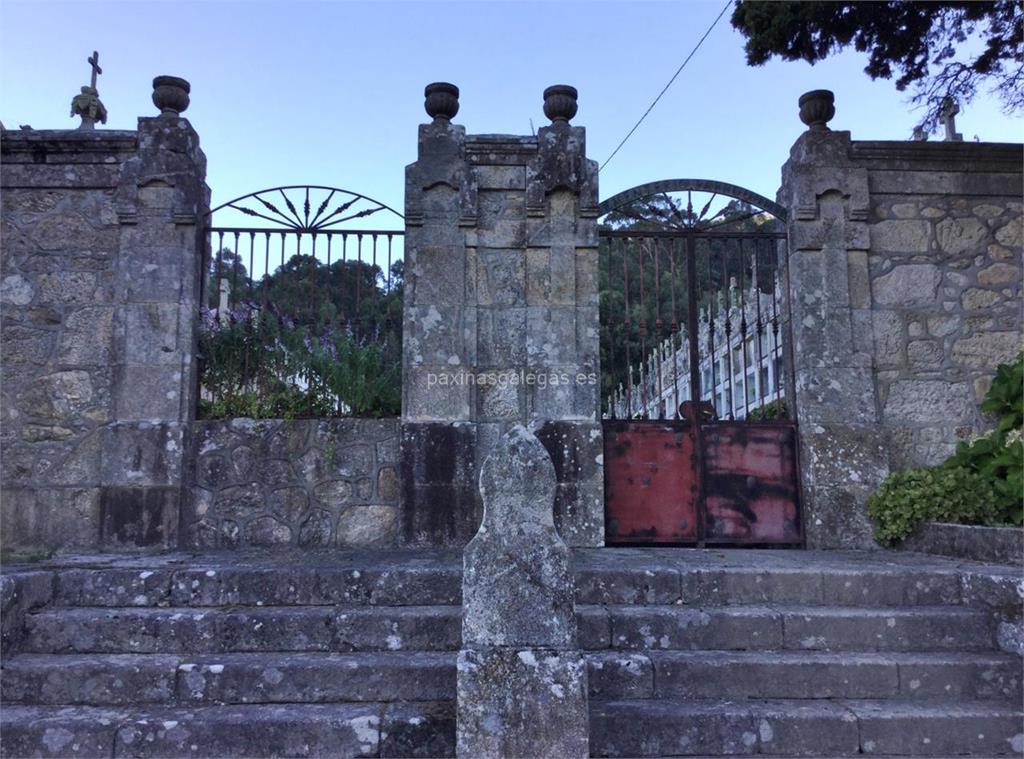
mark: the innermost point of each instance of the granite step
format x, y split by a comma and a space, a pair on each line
222, 630
805, 675
251, 678
665, 727
277, 730
131, 679
438, 628
692, 577
812, 628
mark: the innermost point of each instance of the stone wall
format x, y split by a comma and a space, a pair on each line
903, 295
307, 482
101, 249
945, 269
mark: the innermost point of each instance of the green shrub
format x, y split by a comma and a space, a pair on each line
943, 494
769, 411
981, 483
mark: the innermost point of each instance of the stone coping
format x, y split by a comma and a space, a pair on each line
997, 545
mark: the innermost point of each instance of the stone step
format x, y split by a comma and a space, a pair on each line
423, 582
131, 679
668, 727
821, 628
308, 730
215, 630
804, 675
438, 628
603, 576
255, 678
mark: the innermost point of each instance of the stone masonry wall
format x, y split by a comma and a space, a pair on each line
945, 282
59, 247
99, 283
307, 482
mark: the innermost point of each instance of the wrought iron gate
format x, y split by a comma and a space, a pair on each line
699, 423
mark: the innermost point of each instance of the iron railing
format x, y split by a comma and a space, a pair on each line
302, 315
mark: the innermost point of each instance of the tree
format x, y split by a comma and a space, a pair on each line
941, 50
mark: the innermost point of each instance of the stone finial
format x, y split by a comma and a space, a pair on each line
817, 108
170, 95
560, 103
441, 101
87, 105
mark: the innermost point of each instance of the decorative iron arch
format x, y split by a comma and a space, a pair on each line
695, 185
350, 205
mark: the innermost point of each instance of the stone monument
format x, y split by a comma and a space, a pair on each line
522, 682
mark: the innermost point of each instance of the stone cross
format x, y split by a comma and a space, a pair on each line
948, 114
95, 63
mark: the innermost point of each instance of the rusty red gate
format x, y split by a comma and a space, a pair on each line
699, 424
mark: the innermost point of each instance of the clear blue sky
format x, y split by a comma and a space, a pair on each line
331, 92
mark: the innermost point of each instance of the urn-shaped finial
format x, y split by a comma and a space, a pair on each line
560, 103
442, 100
170, 94
817, 108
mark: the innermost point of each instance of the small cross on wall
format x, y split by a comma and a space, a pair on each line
948, 114
87, 103
95, 63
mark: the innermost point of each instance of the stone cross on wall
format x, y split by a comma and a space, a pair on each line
87, 103
94, 61
948, 113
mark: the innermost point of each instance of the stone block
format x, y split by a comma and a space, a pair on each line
142, 517
928, 400
618, 675
550, 335
907, 286
437, 275
901, 236
150, 333
836, 395
45, 519
501, 337
439, 393
373, 525
439, 336
987, 351
522, 702
501, 277
959, 236
142, 454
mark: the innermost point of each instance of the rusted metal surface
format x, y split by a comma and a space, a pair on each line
750, 483
675, 482
652, 485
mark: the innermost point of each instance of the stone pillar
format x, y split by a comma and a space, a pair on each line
161, 203
522, 682
841, 445
501, 319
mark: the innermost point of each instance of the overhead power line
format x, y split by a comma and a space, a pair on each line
665, 89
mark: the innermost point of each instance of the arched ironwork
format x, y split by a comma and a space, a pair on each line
670, 216
292, 206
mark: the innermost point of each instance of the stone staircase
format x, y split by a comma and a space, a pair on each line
715, 653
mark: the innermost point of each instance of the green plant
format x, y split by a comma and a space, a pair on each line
769, 411
1005, 398
362, 379
945, 494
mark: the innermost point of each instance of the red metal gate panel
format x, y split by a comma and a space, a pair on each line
652, 482
750, 483
738, 485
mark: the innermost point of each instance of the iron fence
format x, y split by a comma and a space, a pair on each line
301, 316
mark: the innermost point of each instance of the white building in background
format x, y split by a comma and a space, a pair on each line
737, 378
